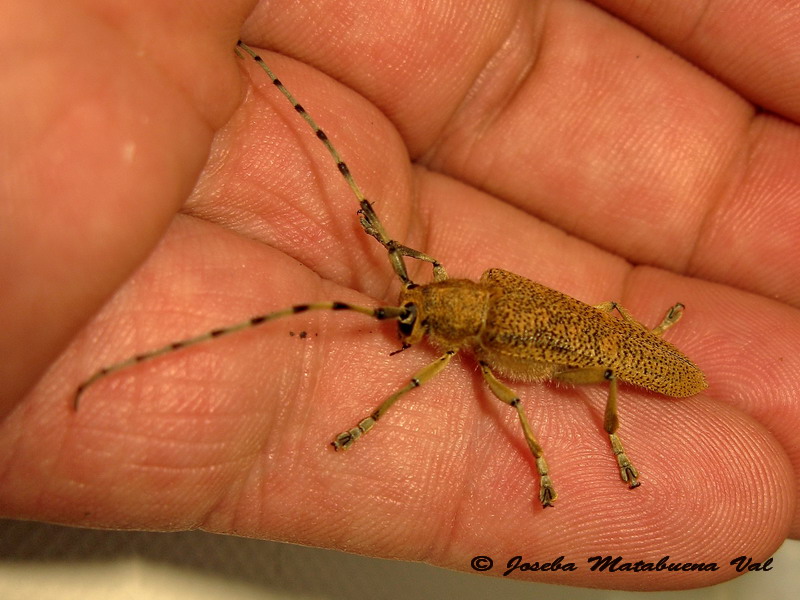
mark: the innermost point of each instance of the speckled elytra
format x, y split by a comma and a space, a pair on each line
514, 327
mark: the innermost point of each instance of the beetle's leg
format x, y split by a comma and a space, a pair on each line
547, 493
347, 438
627, 471
673, 315
372, 226
611, 305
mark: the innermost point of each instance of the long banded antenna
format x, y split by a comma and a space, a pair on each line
380, 313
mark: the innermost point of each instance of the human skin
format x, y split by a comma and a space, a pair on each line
155, 186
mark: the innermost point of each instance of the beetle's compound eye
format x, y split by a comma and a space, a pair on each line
407, 320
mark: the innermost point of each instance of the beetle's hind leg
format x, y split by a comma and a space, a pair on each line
673, 315
627, 471
547, 493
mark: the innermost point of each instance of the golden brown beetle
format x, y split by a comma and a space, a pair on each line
522, 330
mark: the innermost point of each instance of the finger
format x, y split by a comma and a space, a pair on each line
751, 46
192, 442
589, 124
101, 463
751, 227
270, 178
101, 150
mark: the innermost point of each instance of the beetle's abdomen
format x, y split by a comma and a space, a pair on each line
657, 365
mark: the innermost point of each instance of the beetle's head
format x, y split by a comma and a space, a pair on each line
411, 323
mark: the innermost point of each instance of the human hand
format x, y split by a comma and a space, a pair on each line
524, 123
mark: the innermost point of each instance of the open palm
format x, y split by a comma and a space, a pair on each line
603, 150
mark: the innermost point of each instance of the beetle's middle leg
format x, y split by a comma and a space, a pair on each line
627, 471
547, 493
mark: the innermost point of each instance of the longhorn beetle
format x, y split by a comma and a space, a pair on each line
516, 328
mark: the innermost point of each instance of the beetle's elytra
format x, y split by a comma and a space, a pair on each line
516, 328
